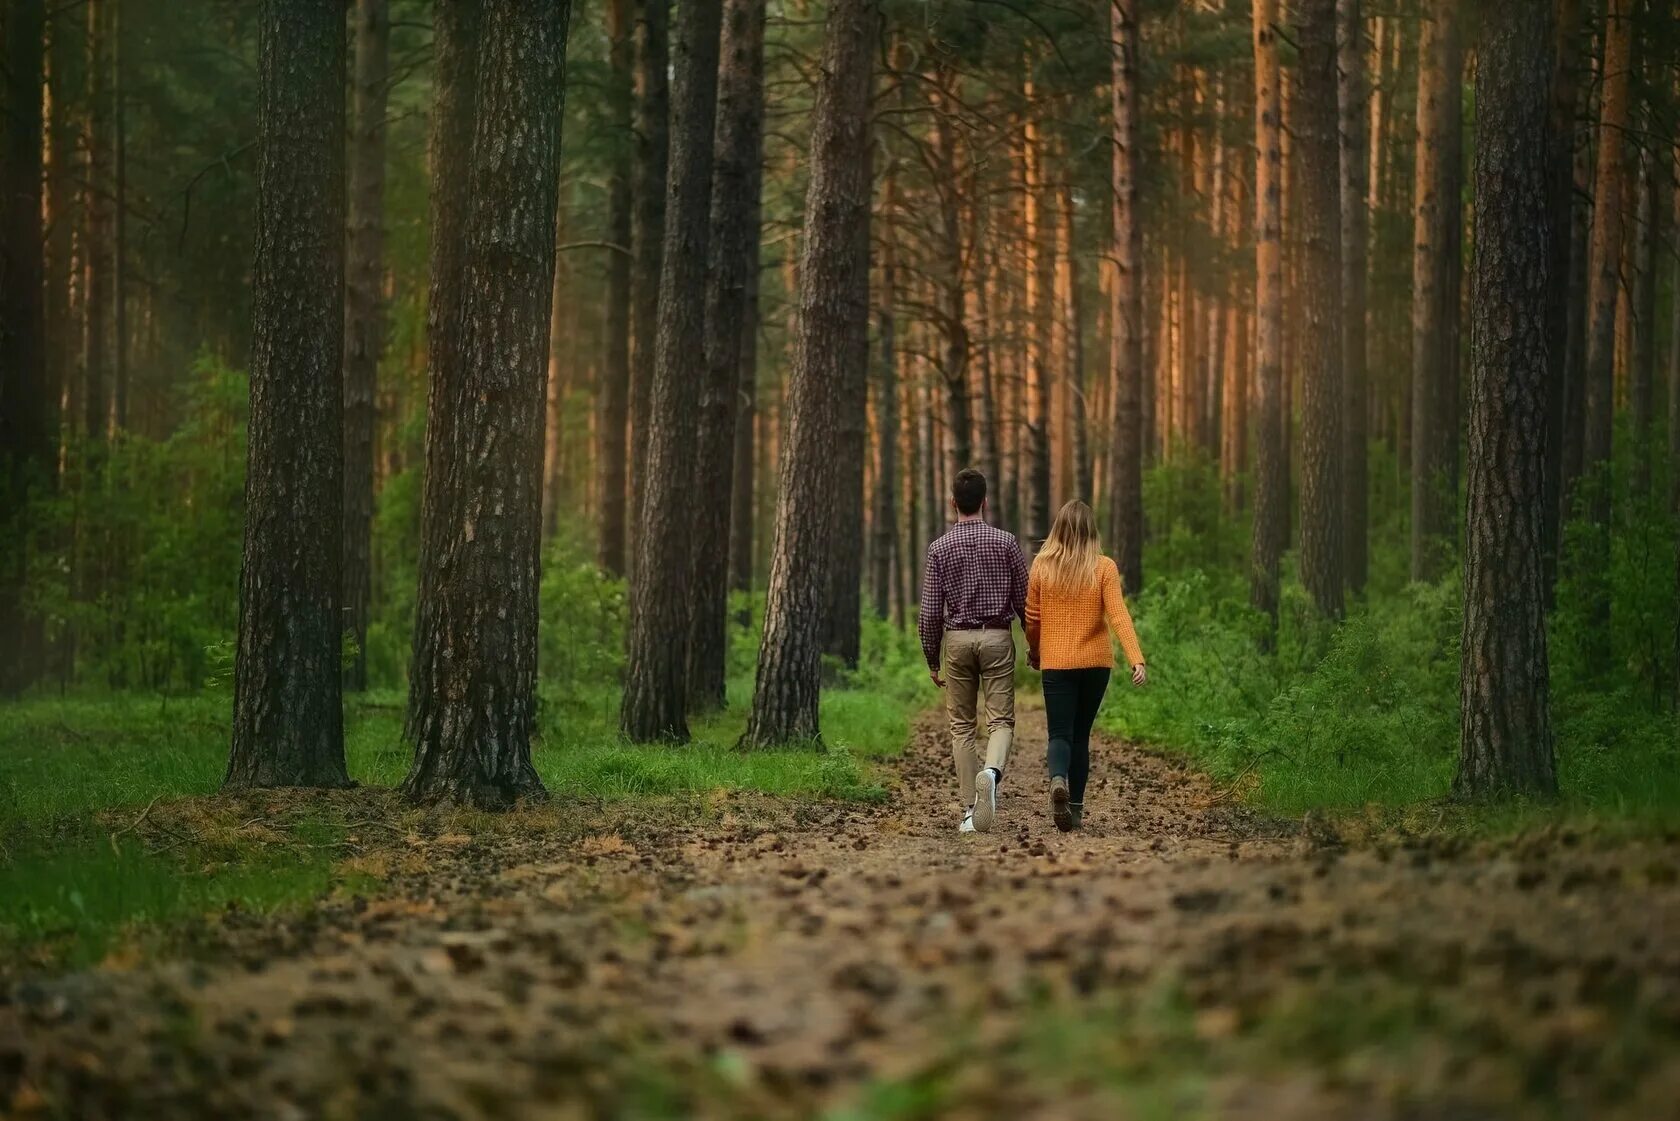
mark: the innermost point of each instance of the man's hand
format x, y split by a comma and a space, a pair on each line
937, 680
1140, 675
1032, 658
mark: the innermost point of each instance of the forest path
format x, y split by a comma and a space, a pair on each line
1178, 958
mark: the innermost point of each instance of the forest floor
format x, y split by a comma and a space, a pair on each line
758, 957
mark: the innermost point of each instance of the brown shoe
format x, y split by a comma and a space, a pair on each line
1061, 810
1076, 810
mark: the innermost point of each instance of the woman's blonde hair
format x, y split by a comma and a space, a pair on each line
1068, 560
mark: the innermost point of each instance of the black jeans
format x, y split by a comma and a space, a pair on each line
1071, 700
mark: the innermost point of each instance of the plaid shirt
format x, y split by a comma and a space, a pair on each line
975, 579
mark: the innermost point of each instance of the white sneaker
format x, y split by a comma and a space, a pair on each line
985, 800
967, 825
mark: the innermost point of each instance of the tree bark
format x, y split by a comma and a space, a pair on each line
1071, 317
1271, 480
1125, 494
951, 312
1351, 98
1039, 308
96, 251
653, 110
1604, 265
28, 416
615, 380
473, 742
364, 319
457, 30
1562, 312
655, 703
1435, 294
288, 727
1642, 306
736, 181
743, 506
1505, 733
834, 318
842, 636
885, 516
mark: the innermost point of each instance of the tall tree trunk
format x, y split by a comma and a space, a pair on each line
96, 208
557, 371
1604, 284
28, 442
615, 383
843, 613
288, 721
1351, 97
473, 743
1039, 309
834, 318
1562, 312
1505, 732
952, 288
656, 676
1125, 487
364, 320
743, 505
1071, 316
1642, 303
885, 514
457, 30
1271, 480
1435, 294
653, 124
736, 181
1323, 409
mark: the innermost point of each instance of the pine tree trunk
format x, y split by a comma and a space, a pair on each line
1642, 302
557, 370
1505, 743
288, 725
952, 288
457, 30
28, 442
364, 320
736, 181
834, 318
96, 208
1125, 488
885, 516
653, 125
1604, 266
615, 381
1323, 407
1071, 316
1039, 309
473, 741
743, 506
655, 703
1434, 295
842, 636
1271, 479
1351, 97
1562, 312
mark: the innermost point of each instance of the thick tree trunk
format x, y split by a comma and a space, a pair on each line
1323, 409
842, 617
364, 320
1271, 477
1562, 312
834, 318
1435, 264
656, 677
28, 442
456, 33
615, 378
288, 721
473, 742
736, 182
1125, 463
1352, 110
653, 111
1604, 266
1505, 743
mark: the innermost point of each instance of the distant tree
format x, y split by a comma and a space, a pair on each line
1505, 726
364, 320
1435, 291
479, 562
615, 377
1322, 448
288, 721
28, 413
885, 501
1038, 231
655, 703
648, 187
743, 503
1353, 111
1564, 311
736, 177
1125, 509
834, 321
1271, 476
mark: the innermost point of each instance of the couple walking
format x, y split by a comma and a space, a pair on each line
975, 582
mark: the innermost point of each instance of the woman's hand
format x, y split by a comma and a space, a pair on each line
1140, 675
1032, 657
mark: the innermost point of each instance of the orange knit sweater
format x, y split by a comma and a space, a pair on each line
1070, 630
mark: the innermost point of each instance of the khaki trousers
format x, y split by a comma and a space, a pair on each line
979, 664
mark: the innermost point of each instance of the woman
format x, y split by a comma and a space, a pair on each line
1073, 601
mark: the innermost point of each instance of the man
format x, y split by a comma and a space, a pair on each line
974, 583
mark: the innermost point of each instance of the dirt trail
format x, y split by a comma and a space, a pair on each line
1179, 958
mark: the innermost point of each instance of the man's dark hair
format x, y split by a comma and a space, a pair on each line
968, 490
